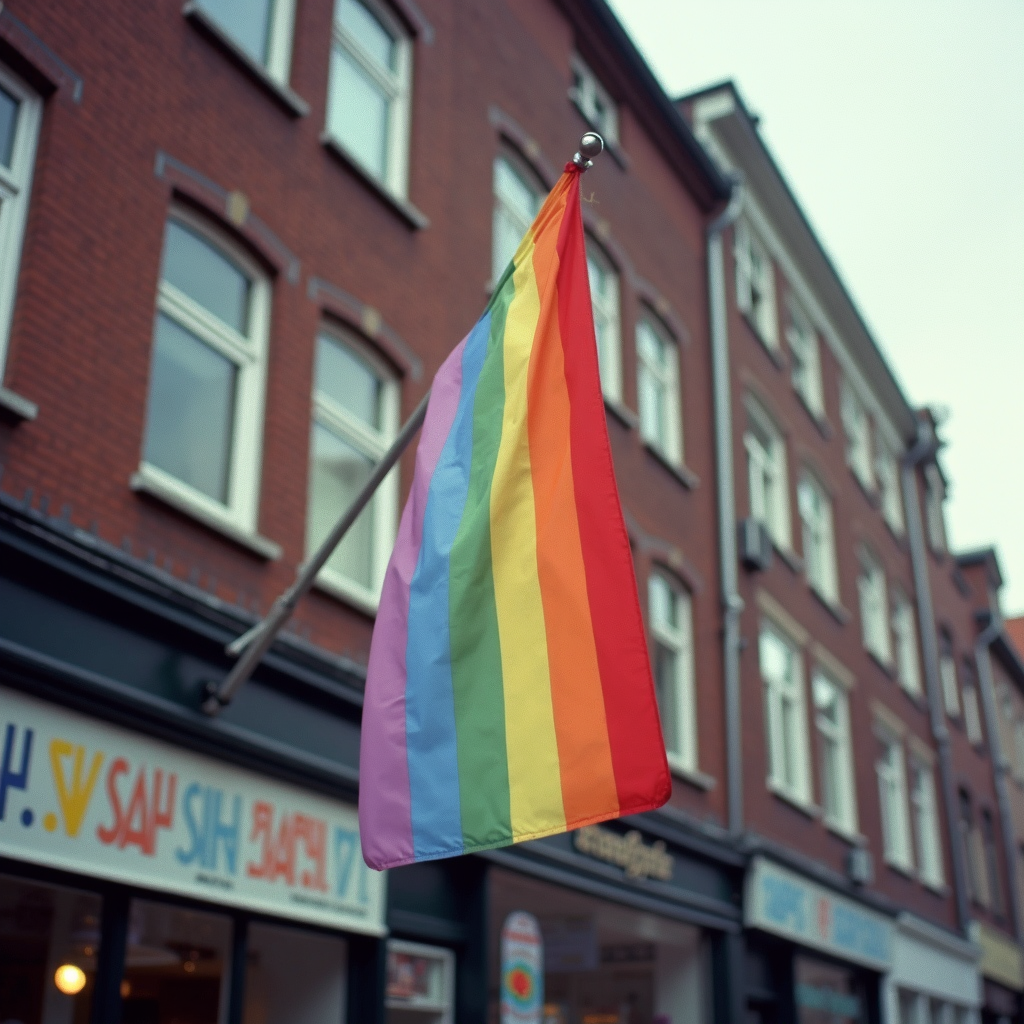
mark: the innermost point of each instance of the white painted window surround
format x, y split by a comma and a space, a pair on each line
670, 621
819, 547
658, 399
832, 720
593, 101
355, 419
20, 117
857, 426
369, 95
924, 809
806, 357
604, 297
262, 29
767, 474
874, 607
203, 447
904, 628
892, 790
517, 199
785, 714
755, 284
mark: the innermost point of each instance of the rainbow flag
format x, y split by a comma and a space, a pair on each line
509, 691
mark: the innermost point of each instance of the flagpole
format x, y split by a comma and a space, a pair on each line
255, 642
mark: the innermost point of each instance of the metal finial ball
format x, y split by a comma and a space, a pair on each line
591, 145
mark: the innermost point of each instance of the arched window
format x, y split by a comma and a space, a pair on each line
204, 420
516, 202
670, 620
604, 295
658, 389
368, 101
355, 418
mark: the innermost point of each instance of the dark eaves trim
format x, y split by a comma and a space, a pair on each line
606, 21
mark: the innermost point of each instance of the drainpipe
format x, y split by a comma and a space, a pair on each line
732, 603
1000, 764
925, 448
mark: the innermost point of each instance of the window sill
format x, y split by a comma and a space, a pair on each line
906, 870
147, 482
773, 350
413, 217
938, 888
805, 807
853, 838
292, 101
837, 611
622, 413
694, 776
885, 666
790, 557
685, 476
818, 417
14, 407
336, 587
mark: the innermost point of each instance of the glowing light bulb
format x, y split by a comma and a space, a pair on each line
70, 979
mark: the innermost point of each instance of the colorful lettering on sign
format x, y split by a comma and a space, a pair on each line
208, 834
784, 903
346, 854
9, 778
72, 799
279, 849
137, 826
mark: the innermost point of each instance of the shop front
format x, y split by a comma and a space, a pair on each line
145, 882
1002, 976
632, 925
813, 956
934, 975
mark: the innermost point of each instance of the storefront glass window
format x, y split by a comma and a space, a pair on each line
176, 965
604, 963
49, 941
294, 977
420, 986
828, 994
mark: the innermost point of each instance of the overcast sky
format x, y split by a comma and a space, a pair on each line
900, 126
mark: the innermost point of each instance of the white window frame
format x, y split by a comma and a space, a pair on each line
874, 607
934, 513
679, 640
607, 310
397, 87
505, 207
806, 353
890, 499
905, 648
837, 736
948, 675
768, 475
818, 536
586, 93
1018, 761
972, 712
890, 768
279, 42
924, 812
755, 285
785, 704
665, 379
857, 426
249, 354
334, 418
15, 192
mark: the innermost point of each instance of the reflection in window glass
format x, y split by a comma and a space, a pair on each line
348, 380
362, 121
294, 977
175, 965
191, 410
246, 21
373, 38
205, 275
49, 942
8, 125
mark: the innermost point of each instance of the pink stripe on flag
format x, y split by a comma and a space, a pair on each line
385, 807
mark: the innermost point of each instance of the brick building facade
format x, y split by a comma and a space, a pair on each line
238, 242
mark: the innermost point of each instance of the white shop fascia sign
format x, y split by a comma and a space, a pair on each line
781, 901
84, 796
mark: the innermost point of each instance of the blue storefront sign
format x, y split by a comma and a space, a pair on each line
780, 901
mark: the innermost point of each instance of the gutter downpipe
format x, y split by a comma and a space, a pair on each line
924, 448
1000, 764
732, 603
